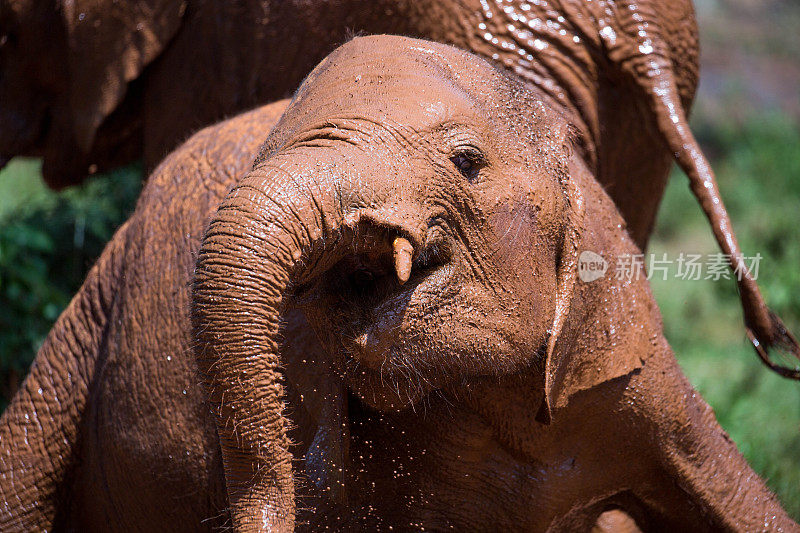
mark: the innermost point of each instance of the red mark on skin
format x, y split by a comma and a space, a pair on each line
513, 226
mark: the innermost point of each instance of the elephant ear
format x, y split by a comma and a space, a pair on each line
569, 367
109, 45
565, 288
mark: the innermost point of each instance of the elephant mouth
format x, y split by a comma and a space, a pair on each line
361, 303
365, 281
366, 278
363, 272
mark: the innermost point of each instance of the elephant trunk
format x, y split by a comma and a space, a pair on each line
235, 316
274, 232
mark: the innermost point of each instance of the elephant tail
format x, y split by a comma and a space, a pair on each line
649, 56
40, 428
764, 328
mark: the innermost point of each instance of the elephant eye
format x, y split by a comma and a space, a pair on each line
469, 162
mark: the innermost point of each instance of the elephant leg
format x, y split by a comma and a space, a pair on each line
646, 48
634, 178
39, 429
700, 480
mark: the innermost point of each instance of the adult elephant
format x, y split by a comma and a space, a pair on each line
423, 215
90, 85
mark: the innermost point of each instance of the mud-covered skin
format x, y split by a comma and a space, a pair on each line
491, 389
114, 82
125, 441
117, 433
90, 85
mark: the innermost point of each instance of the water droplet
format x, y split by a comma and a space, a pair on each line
608, 33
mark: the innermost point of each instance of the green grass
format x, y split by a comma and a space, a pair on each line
758, 166
49, 240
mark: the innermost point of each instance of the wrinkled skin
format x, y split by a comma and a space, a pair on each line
490, 389
100, 84
90, 85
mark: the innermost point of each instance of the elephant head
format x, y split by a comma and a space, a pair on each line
426, 213
389, 213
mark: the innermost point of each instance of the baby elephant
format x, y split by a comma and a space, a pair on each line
382, 327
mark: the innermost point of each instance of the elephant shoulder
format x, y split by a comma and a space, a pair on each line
214, 158
183, 192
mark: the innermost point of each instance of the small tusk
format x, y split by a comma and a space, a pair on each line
403, 252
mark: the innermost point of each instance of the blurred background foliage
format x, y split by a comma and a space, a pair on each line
747, 117
48, 242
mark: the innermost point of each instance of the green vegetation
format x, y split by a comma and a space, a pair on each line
758, 166
49, 240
